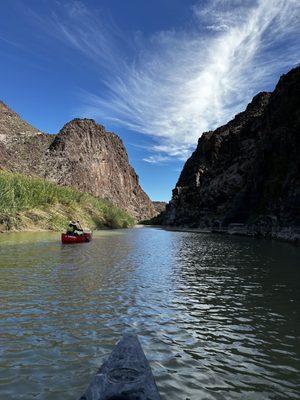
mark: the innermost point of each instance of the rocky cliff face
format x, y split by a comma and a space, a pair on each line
82, 155
159, 206
245, 175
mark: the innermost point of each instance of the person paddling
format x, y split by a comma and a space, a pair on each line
74, 228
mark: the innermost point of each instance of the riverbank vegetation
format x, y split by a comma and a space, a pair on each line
28, 203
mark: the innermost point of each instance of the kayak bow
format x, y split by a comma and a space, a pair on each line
126, 375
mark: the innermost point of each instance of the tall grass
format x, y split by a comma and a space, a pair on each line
20, 193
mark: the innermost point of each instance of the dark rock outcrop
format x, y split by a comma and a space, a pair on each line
159, 206
245, 176
82, 155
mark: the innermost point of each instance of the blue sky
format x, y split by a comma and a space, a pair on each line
158, 73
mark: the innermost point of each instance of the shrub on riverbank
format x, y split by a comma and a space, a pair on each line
33, 203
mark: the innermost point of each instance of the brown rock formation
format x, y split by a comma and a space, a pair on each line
246, 172
159, 206
82, 155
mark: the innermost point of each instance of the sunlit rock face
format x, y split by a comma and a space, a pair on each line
247, 171
22, 147
82, 155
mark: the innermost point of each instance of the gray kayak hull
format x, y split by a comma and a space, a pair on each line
126, 375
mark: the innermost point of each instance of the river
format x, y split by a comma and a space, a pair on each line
217, 316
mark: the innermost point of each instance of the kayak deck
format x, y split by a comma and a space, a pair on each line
126, 375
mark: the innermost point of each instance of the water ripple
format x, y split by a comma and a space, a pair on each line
217, 316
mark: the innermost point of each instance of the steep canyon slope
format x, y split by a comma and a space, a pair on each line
82, 155
245, 175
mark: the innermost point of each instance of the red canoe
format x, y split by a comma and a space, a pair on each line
66, 239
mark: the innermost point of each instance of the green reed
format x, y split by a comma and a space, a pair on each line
20, 193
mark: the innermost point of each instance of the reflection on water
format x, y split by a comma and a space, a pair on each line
218, 316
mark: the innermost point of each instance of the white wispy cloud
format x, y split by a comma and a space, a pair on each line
157, 159
177, 84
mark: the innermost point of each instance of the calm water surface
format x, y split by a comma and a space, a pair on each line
218, 316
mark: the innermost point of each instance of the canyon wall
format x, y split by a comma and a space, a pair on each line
245, 175
82, 155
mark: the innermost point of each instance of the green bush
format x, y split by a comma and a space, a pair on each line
22, 193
